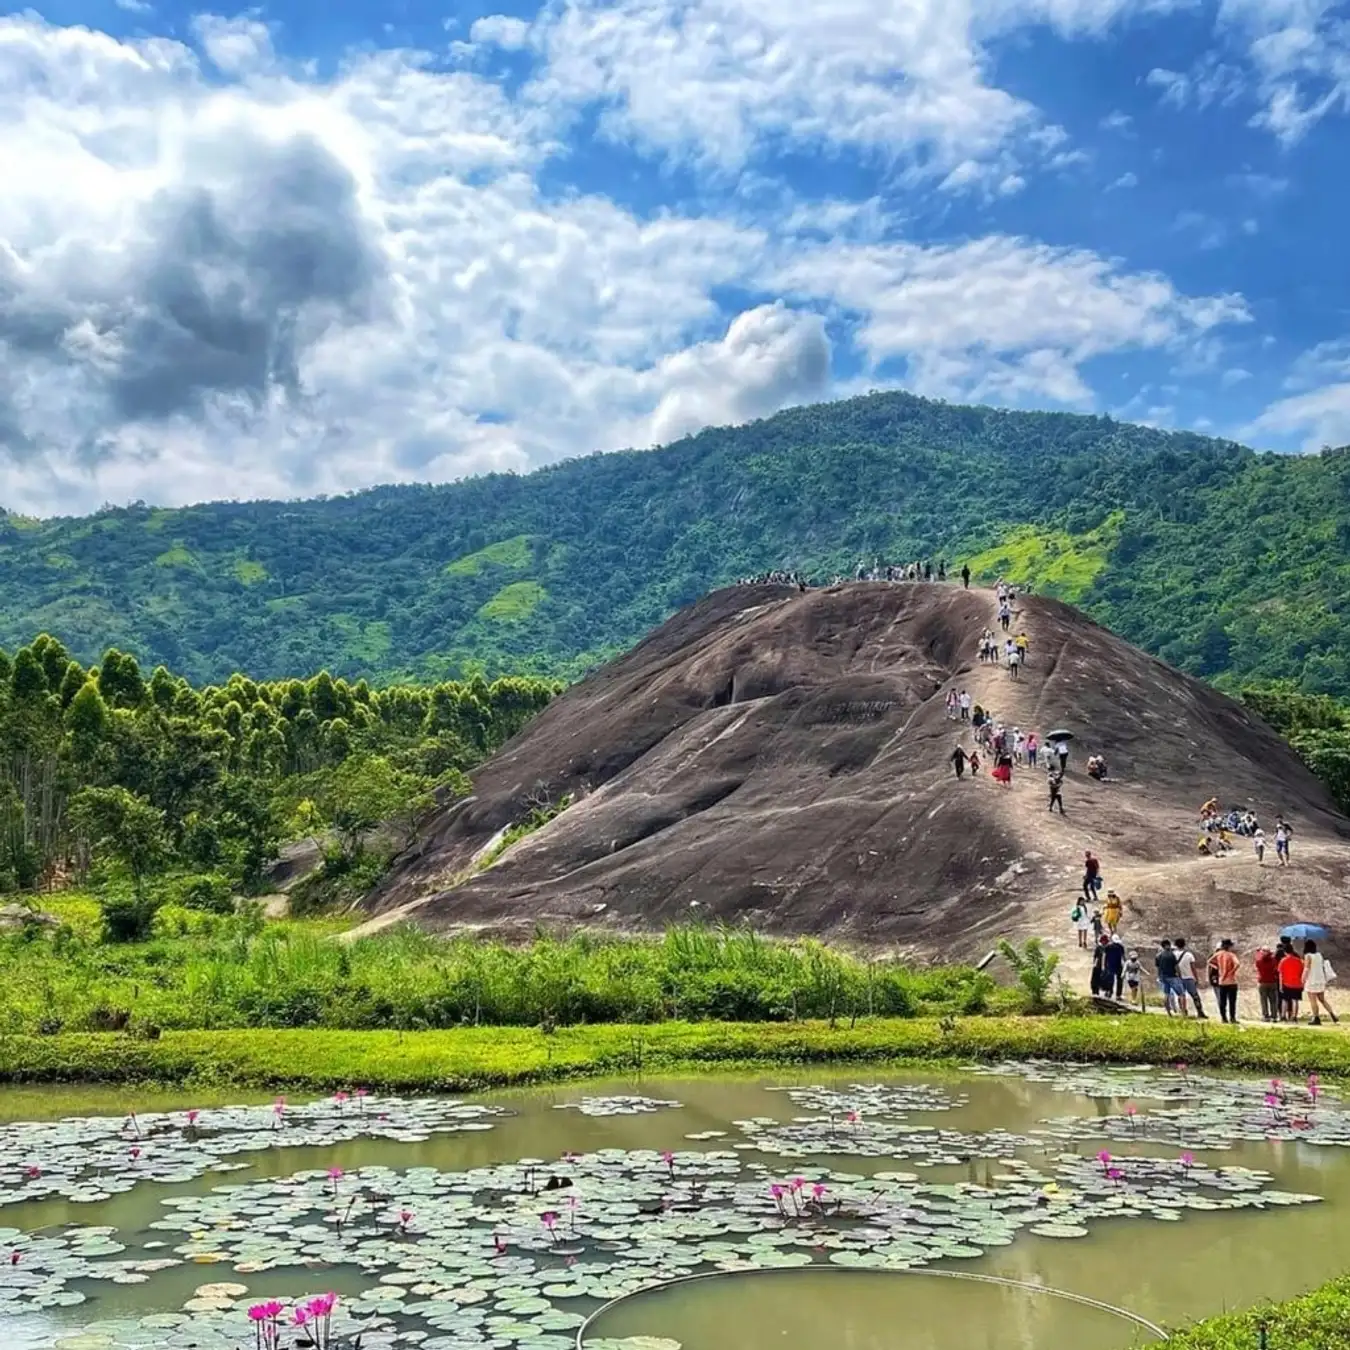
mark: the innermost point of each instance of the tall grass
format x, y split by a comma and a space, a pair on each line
226, 973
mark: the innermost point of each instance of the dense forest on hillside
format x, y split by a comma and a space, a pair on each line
164, 792
1229, 564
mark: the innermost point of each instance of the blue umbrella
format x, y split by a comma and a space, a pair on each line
1306, 930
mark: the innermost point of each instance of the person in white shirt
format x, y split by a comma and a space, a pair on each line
1186, 974
1317, 975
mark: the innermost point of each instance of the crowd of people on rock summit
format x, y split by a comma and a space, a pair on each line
920, 570
1287, 975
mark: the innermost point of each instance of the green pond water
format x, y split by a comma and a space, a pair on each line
1215, 1195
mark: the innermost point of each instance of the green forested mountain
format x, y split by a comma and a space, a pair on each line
1228, 563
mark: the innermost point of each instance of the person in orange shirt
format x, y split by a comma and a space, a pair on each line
1291, 984
1223, 966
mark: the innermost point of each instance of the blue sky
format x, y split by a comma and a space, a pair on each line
283, 251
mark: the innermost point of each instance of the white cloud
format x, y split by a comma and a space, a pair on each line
1001, 317
1319, 417
1210, 81
500, 30
248, 280
1126, 180
237, 46
770, 357
1320, 413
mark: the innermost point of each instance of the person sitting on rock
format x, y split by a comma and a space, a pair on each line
1096, 768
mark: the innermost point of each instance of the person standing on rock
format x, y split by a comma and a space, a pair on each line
1283, 834
1061, 751
1033, 745
1014, 663
959, 758
1055, 781
964, 699
1005, 616
1259, 844
1186, 972
1223, 967
965, 576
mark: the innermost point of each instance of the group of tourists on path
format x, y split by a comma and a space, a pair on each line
1217, 828
1284, 977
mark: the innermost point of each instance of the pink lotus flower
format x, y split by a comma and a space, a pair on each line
499, 1244
1114, 1173
817, 1191
1187, 1159
322, 1304
1131, 1109
668, 1158
405, 1216
776, 1191
1181, 1067
1104, 1158
135, 1153
301, 1317
192, 1116
335, 1174
14, 1258
852, 1117
798, 1183
32, 1173
1313, 1087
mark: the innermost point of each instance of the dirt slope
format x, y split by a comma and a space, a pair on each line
782, 760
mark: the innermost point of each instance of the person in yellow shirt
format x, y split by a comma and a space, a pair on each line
1112, 912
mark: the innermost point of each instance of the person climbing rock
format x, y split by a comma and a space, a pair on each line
1112, 911
1283, 834
1092, 876
1078, 916
959, 758
965, 576
1055, 782
1023, 644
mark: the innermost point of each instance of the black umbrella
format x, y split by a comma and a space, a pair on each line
1059, 735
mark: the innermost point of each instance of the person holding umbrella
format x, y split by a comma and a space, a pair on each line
1059, 747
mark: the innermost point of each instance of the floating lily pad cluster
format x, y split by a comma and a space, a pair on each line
870, 1137
616, 1106
514, 1256
91, 1158
872, 1099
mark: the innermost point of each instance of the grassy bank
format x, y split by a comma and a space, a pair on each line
210, 972
1319, 1320
477, 1057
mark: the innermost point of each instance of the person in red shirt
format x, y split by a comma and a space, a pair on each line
1268, 984
1291, 985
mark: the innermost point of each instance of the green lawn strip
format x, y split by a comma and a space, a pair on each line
1319, 1320
476, 1057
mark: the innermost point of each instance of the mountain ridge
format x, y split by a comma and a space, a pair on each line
554, 571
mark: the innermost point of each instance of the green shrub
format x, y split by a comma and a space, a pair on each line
127, 916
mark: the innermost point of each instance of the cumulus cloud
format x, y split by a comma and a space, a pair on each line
500, 30
1001, 317
222, 275
770, 357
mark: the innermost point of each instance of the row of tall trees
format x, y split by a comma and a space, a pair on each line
154, 773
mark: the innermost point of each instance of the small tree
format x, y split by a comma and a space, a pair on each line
120, 825
365, 791
1034, 967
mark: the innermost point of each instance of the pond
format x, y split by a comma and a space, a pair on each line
847, 1209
